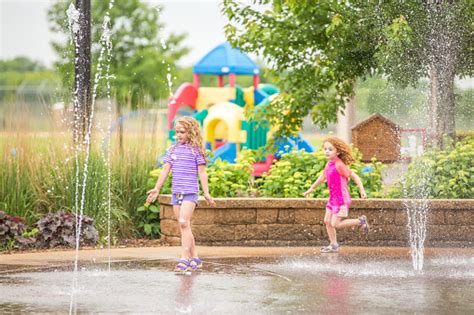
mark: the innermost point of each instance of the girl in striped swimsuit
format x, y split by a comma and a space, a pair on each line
337, 174
186, 160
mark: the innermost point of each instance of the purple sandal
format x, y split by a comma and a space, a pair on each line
195, 263
331, 248
182, 266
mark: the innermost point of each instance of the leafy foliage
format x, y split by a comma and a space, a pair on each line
11, 228
149, 222
139, 60
415, 36
320, 48
21, 64
232, 180
27, 75
41, 178
317, 48
54, 184
297, 170
446, 174
464, 109
289, 177
59, 229
16, 191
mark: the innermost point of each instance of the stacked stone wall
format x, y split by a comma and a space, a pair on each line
299, 222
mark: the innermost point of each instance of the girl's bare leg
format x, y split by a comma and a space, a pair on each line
338, 223
183, 214
330, 228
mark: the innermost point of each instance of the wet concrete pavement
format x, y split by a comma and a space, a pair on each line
44, 258
60, 257
236, 280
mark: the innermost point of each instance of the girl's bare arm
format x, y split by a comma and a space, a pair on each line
359, 184
318, 182
153, 194
204, 184
163, 175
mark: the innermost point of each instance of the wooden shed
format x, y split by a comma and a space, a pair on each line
377, 137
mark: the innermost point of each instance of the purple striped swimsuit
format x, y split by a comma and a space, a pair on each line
184, 166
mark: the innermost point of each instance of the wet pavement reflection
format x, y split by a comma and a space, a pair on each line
307, 284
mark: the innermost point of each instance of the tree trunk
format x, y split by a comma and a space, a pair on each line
442, 53
82, 69
347, 119
442, 111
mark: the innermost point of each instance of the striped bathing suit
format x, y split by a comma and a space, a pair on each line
184, 167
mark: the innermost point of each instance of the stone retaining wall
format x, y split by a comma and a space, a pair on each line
299, 222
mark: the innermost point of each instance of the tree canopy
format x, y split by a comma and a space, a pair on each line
141, 54
20, 64
319, 48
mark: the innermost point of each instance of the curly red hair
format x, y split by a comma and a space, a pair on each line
344, 151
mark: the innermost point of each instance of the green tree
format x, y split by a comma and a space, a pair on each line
428, 39
26, 77
20, 64
141, 54
320, 47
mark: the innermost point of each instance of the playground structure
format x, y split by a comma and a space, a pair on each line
220, 110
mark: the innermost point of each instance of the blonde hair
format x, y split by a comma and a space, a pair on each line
344, 151
193, 129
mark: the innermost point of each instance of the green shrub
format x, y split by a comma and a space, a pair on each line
232, 180
289, 177
16, 190
39, 177
440, 174
147, 217
54, 185
293, 174
149, 222
130, 176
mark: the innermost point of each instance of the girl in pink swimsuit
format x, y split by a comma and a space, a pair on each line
337, 173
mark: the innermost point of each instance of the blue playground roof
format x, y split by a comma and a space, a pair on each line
225, 59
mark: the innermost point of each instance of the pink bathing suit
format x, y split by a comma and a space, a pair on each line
337, 183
